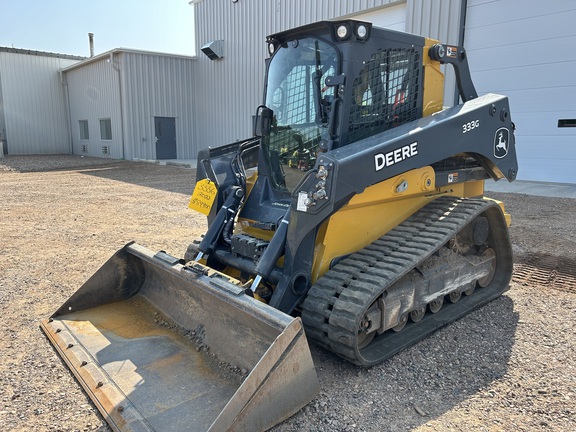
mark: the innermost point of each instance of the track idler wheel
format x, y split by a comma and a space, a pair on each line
365, 332
486, 280
364, 338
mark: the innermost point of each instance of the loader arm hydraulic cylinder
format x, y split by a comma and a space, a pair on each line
273, 252
227, 211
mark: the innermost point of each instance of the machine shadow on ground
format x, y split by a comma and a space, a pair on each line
162, 177
424, 381
169, 178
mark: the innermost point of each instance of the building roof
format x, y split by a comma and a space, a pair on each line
123, 50
40, 53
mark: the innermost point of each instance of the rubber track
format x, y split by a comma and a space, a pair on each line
335, 304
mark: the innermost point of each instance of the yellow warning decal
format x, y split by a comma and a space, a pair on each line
203, 196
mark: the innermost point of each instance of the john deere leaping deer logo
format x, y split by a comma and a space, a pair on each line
501, 143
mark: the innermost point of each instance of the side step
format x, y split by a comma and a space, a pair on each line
160, 347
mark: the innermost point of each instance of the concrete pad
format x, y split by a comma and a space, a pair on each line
556, 190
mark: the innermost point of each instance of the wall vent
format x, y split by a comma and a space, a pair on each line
105, 149
214, 50
84, 148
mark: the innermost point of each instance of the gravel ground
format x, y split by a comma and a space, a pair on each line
510, 365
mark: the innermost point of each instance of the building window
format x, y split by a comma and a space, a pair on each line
105, 129
84, 134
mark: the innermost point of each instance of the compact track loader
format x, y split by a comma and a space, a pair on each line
355, 214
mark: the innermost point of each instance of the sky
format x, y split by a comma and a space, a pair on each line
62, 26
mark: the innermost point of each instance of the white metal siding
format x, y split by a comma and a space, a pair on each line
288, 14
391, 17
228, 90
525, 50
2, 123
435, 19
94, 94
158, 86
34, 109
440, 20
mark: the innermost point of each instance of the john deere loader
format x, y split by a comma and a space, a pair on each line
355, 216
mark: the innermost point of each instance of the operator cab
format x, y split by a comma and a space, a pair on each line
327, 86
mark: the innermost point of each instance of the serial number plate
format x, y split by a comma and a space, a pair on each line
203, 196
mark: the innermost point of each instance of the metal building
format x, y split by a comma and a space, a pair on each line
234, 83
523, 49
32, 105
141, 105
128, 104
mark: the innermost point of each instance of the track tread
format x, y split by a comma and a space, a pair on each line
335, 304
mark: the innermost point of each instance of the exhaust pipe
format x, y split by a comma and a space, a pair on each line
91, 42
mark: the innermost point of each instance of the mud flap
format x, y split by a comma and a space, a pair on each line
158, 347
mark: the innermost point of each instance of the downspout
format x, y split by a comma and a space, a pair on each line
117, 69
461, 28
64, 84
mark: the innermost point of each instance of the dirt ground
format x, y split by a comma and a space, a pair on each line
509, 366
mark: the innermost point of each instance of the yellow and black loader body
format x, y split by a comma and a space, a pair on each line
355, 214
354, 142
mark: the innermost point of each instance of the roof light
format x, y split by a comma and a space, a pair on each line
342, 31
272, 45
361, 31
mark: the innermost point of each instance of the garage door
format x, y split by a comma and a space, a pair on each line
525, 50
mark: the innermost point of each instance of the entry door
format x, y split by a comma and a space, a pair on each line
165, 131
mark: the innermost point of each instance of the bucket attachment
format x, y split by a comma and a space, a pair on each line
159, 346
